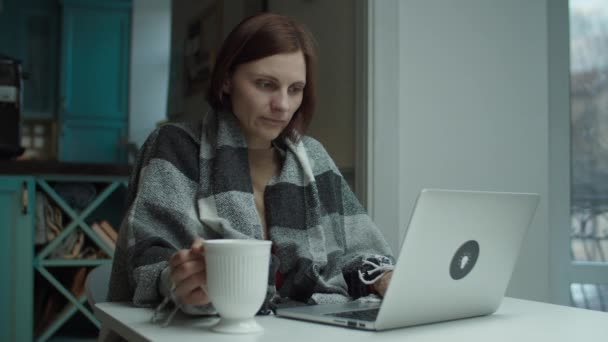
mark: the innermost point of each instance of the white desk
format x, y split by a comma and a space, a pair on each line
516, 320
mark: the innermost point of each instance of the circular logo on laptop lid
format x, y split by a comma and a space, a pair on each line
464, 259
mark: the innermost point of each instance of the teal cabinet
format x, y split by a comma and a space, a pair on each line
40, 61
11, 36
93, 141
29, 32
16, 256
94, 81
50, 260
76, 56
35, 268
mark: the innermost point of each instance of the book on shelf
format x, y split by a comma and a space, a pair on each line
69, 247
78, 281
76, 246
90, 252
103, 235
109, 230
49, 220
52, 304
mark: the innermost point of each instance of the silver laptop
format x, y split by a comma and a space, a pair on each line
456, 260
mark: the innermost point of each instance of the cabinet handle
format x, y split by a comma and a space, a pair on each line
24, 199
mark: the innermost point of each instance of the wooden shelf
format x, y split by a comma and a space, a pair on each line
73, 262
74, 220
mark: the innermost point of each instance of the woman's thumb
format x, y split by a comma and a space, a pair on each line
197, 245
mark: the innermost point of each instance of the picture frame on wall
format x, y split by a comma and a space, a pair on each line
203, 38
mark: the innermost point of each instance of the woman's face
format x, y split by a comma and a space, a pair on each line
265, 94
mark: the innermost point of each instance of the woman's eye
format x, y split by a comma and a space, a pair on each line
295, 90
264, 84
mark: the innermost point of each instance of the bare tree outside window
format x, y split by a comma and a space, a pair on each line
589, 144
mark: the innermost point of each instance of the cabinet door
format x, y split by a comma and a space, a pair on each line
16, 257
94, 78
40, 62
12, 34
94, 141
29, 32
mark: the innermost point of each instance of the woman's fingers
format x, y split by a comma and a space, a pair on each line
382, 284
182, 256
197, 246
196, 297
186, 269
188, 273
186, 255
190, 284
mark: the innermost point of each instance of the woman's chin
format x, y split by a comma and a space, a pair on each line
264, 139
270, 135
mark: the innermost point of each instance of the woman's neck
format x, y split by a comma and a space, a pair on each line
262, 157
257, 143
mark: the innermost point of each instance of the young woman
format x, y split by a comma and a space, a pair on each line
247, 171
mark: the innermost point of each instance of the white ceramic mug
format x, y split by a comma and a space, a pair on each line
237, 279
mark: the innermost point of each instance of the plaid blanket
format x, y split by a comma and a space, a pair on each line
193, 180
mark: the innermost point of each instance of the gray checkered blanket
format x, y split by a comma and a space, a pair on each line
193, 180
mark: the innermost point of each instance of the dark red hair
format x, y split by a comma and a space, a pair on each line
260, 36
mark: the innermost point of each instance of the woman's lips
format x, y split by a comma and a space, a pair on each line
272, 122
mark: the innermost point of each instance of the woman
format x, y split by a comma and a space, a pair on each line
248, 172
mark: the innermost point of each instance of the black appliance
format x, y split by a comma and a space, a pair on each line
11, 101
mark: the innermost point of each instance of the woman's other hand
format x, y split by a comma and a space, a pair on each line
381, 285
188, 274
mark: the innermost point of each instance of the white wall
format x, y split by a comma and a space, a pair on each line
151, 30
559, 150
468, 81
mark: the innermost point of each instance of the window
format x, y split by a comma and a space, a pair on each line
589, 151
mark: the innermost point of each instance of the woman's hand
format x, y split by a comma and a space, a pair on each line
381, 285
188, 273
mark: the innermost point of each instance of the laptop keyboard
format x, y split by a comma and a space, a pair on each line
362, 315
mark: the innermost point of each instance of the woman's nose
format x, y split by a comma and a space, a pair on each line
280, 101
